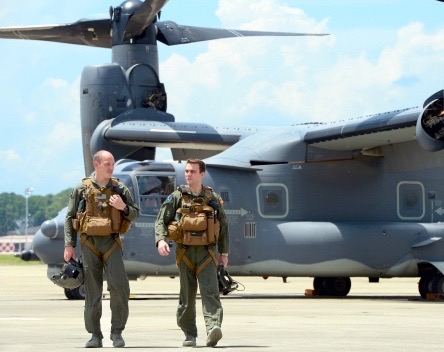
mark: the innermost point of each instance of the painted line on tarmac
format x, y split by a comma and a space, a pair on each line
20, 319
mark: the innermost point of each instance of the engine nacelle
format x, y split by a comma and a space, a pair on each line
430, 125
109, 91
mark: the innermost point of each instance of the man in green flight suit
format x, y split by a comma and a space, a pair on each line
101, 197
196, 263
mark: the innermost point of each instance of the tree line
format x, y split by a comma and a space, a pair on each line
40, 208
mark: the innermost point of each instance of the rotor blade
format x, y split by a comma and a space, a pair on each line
170, 33
144, 15
84, 32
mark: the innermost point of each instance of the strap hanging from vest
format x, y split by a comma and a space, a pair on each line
181, 256
105, 256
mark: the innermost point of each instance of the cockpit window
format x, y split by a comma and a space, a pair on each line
153, 190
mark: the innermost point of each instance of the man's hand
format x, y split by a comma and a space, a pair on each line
223, 259
116, 201
163, 248
69, 253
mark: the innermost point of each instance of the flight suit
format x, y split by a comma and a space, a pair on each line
94, 266
189, 280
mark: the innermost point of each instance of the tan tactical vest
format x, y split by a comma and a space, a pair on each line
99, 218
198, 224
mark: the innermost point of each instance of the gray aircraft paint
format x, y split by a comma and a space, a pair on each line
362, 197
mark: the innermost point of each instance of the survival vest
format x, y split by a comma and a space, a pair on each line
95, 216
198, 224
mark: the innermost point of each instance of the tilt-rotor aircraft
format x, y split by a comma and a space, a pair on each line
360, 198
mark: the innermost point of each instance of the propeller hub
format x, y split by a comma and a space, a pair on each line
130, 6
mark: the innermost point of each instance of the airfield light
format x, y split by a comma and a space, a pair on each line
28, 193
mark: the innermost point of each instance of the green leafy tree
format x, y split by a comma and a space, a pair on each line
10, 208
40, 209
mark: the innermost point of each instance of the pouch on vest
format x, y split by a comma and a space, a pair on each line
125, 225
118, 221
193, 222
75, 224
96, 226
195, 238
174, 232
193, 226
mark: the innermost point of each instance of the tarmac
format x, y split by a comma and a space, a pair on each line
268, 315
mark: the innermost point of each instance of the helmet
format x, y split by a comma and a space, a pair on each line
71, 275
226, 283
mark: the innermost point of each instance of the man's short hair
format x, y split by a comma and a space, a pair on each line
201, 164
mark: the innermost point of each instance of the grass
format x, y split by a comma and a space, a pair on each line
10, 259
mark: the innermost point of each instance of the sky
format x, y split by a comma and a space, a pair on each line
380, 55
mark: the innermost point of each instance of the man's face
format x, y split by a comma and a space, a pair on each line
105, 167
193, 175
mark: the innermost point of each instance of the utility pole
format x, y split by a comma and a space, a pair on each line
28, 193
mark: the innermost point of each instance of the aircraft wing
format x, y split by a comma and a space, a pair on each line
139, 128
136, 128
365, 133
173, 135
151, 128
317, 142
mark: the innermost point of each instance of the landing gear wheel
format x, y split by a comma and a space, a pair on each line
425, 285
332, 286
438, 284
322, 286
76, 293
341, 286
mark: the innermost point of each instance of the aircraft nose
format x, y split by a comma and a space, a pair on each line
50, 229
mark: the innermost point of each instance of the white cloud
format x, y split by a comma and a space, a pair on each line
9, 157
270, 15
7, 8
361, 69
359, 83
299, 81
234, 78
51, 136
